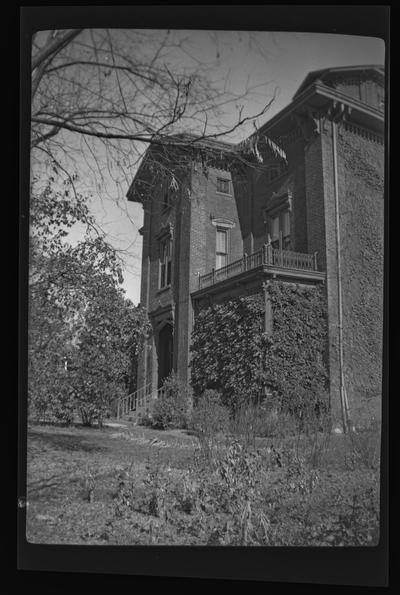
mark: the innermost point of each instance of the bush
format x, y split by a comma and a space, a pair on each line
245, 423
264, 420
273, 423
363, 447
53, 401
173, 406
209, 419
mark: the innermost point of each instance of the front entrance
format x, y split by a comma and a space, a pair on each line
165, 353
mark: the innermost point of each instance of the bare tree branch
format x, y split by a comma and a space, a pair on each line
53, 47
100, 98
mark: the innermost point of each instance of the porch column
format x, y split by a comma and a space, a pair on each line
268, 315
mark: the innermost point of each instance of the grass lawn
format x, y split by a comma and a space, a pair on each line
127, 484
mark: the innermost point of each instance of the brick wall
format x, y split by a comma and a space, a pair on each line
194, 247
296, 160
314, 203
181, 285
292, 179
309, 177
207, 205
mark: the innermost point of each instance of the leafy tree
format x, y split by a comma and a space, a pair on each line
108, 344
78, 315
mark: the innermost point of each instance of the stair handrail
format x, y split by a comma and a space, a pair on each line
124, 403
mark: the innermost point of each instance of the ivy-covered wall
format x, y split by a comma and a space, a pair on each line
361, 173
232, 353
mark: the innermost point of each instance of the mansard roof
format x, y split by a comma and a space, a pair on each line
325, 74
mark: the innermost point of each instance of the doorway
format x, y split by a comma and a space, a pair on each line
165, 353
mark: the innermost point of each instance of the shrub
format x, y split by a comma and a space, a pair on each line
275, 424
245, 423
53, 402
172, 408
209, 419
265, 420
363, 447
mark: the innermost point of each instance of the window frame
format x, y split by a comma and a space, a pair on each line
286, 239
164, 260
280, 205
225, 231
229, 184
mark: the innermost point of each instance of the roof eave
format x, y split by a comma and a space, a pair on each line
371, 116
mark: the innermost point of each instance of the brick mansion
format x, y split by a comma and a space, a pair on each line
300, 202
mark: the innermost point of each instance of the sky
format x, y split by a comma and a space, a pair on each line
278, 61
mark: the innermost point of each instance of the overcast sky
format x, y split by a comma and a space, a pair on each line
283, 63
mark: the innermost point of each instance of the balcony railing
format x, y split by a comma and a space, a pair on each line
267, 256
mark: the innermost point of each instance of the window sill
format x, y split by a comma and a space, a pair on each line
163, 289
227, 194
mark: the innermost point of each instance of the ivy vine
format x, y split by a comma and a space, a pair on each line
232, 354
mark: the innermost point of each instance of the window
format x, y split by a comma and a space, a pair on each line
279, 230
221, 248
223, 186
165, 262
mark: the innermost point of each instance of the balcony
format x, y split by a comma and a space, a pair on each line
284, 263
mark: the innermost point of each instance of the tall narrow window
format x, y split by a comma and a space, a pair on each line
165, 262
274, 229
286, 230
280, 230
221, 248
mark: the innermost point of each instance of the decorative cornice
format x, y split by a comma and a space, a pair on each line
363, 132
308, 122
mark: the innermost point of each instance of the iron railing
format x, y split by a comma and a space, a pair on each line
137, 404
267, 256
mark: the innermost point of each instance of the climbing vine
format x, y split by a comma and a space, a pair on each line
232, 353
